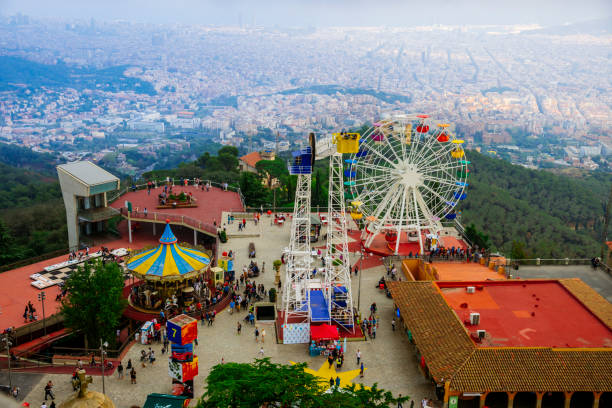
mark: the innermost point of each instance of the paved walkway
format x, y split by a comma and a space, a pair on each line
389, 359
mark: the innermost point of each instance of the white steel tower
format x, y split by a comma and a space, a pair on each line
296, 292
338, 273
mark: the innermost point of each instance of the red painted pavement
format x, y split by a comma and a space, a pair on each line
527, 314
211, 203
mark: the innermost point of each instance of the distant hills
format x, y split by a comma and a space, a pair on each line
549, 215
17, 72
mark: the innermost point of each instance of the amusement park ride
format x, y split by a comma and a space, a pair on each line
403, 176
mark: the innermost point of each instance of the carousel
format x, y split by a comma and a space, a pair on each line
172, 275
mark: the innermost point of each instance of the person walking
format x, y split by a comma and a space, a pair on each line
152, 357
263, 335
133, 376
373, 332
358, 356
399, 404
129, 364
120, 370
361, 370
256, 334
393, 324
261, 351
331, 382
338, 382
49, 391
238, 328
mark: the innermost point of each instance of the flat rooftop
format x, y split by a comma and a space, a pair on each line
454, 271
526, 313
211, 204
88, 173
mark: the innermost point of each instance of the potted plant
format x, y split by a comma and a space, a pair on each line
276, 265
272, 295
223, 236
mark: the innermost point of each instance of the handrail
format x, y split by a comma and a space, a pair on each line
173, 218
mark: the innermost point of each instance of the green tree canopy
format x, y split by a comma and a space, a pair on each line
255, 194
263, 383
94, 303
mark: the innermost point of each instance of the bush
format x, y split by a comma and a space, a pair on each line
222, 237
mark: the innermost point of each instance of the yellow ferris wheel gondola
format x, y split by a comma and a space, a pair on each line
346, 142
355, 209
457, 152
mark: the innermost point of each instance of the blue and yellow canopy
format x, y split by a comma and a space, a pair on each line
168, 260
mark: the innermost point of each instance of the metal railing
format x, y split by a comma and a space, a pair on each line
173, 218
114, 195
29, 261
548, 261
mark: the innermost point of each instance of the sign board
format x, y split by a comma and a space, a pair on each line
453, 402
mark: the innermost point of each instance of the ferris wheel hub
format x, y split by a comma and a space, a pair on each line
408, 175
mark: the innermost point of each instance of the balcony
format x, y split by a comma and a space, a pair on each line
97, 214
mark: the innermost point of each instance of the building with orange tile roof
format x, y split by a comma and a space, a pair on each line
527, 343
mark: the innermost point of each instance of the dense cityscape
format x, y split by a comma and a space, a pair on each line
536, 96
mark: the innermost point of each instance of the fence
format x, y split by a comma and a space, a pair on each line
173, 218
114, 195
547, 261
29, 261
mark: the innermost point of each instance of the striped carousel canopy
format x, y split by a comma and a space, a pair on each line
168, 260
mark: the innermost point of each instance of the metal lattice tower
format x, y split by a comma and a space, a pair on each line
338, 273
296, 292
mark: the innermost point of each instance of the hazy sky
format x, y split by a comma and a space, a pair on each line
319, 12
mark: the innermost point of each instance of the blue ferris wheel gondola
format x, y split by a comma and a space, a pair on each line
350, 161
461, 184
460, 196
361, 153
451, 203
450, 216
350, 174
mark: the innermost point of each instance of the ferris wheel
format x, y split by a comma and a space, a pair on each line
408, 175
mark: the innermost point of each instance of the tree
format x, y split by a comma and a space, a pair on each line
263, 383
94, 303
253, 191
518, 250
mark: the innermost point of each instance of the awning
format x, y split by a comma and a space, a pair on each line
164, 401
324, 332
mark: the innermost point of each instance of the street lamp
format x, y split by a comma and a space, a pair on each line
41, 298
103, 345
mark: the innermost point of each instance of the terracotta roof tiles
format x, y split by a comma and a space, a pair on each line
435, 327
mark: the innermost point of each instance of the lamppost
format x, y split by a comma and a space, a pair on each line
360, 273
8, 353
103, 345
41, 297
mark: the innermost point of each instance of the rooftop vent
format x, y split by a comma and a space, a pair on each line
474, 319
471, 289
481, 334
